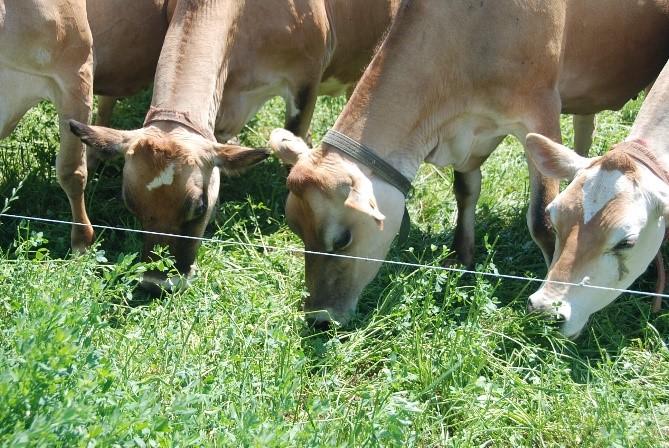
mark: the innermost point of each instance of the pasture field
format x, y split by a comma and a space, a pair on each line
432, 359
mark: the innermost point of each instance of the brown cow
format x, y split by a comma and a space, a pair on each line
448, 83
611, 220
221, 60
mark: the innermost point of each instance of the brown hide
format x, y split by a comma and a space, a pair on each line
127, 39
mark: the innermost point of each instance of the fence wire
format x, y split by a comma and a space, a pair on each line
296, 250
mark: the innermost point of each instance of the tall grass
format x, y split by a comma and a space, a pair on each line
431, 359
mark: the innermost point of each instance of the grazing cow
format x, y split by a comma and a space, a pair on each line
611, 219
449, 82
46, 53
221, 60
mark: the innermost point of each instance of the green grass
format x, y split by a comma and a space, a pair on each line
431, 359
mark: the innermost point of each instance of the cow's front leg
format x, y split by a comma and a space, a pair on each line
467, 187
71, 168
542, 192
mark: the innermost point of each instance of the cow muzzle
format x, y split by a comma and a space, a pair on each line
538, 303
320, 316
155, 282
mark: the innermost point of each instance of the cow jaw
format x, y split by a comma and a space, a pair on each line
608, 230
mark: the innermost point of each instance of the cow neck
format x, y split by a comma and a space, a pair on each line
381, 123
156, 114
396, 108
192, 66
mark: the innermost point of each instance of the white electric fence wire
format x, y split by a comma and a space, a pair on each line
327, 254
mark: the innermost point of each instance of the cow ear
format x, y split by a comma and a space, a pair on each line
361, 198
105, 143
287, 147
553, 159
233, 159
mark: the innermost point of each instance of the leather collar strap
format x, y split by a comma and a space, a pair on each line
380, 167
182, 118
641, 154
367, 157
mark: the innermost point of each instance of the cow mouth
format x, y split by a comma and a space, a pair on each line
323, 319
155, 283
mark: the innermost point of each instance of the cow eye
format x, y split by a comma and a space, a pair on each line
343, 241
626, 243
199, 209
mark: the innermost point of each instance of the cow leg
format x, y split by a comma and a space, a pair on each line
105, 109
102, 118
584, 128
542, 189
300, 110
71, 160
467, 188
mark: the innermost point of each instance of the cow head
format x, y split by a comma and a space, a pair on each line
336, 208
170, 183
609, 223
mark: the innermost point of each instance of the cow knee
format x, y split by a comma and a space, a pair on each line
73, 181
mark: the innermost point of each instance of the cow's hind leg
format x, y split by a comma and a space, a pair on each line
105, 109
584, 128
102, 118
300, 110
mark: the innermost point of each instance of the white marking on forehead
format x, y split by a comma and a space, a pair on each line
600, 188
166, 177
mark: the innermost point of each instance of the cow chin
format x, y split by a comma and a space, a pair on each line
317, 316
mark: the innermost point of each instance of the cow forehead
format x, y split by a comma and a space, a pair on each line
600, 187
590, 193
